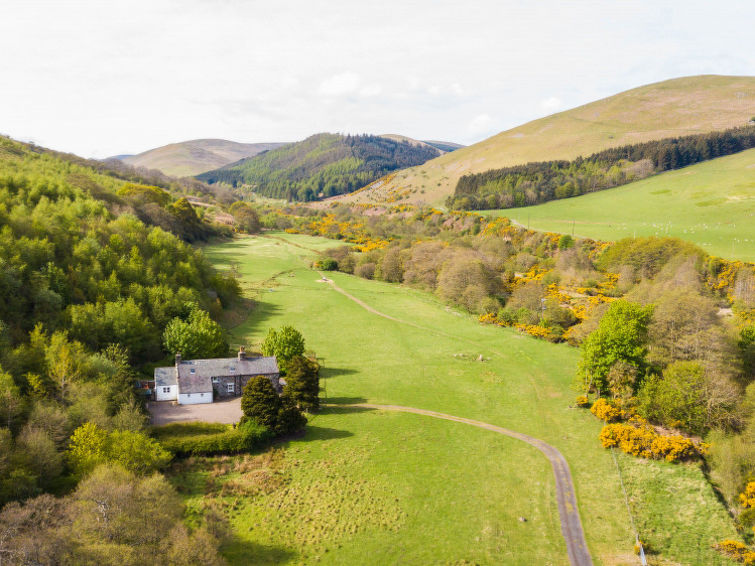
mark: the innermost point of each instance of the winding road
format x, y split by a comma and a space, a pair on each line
571, 525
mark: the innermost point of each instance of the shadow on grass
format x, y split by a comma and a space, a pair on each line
257, 316
246, 552
327, 372
324, 433
341, 406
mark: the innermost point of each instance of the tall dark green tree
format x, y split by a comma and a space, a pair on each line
303, 382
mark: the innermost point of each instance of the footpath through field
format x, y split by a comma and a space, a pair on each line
571, 525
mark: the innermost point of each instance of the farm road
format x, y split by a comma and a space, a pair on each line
571, 525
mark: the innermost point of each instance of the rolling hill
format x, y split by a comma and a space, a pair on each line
323, 165
192, 157
676, 107
711, 204
443, 146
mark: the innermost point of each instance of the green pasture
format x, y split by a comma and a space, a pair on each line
711, 204
374, 487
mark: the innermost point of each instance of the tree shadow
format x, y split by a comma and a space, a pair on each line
239, 551
324, 433
256, 317
327, 372
342, 406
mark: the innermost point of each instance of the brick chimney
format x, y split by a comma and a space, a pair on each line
242, 353
178, 358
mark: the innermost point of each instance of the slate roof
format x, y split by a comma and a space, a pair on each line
195, 376
223, 367
165, 377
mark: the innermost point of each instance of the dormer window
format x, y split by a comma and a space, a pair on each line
192, 370
233, 369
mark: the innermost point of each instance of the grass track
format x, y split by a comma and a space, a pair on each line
711, 204
457, 492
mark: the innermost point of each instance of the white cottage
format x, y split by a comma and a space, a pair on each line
196, 381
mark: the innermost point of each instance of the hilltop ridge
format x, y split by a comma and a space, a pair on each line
193, 157
676, 107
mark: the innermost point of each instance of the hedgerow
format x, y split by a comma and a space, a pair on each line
193, 439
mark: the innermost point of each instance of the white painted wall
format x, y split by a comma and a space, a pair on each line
166, 396
194, 398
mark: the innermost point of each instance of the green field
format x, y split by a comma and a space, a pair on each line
711, 204
375, 487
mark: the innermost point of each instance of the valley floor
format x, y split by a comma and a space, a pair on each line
378, 487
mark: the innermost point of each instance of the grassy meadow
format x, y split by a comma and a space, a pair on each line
376, 487
711, 204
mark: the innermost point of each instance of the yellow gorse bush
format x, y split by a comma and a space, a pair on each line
747, 497
639, 439
605, 411
736, 551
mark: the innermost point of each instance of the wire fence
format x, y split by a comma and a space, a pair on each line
638, 543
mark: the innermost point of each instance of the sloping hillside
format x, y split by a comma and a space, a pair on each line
322, 165
443, 146
711, 204
196, 156
675, 107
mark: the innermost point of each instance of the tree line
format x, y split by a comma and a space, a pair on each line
89, 282
537, 182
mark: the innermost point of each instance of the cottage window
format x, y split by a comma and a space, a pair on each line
192, 370
231, 387
215, 380
233, 369
166, 389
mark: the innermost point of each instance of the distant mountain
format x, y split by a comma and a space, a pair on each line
677, 107
322, 165
444, 146
195, 156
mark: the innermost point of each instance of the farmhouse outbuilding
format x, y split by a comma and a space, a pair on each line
200, 381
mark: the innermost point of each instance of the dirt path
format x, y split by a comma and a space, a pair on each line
571, 525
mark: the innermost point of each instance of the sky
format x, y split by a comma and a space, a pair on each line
100, 78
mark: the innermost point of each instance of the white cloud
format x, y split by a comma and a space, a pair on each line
281, 71
370, 90
339, 85
480, 124
551, 104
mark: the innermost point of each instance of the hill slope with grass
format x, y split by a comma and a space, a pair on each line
677, 107
711, 204
323, 165
195, 156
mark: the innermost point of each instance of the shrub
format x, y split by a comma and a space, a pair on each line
194, 439
736, 551
605, 411
366, 270
747, 497
639, 439
91, 446
582, 401
326, 264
